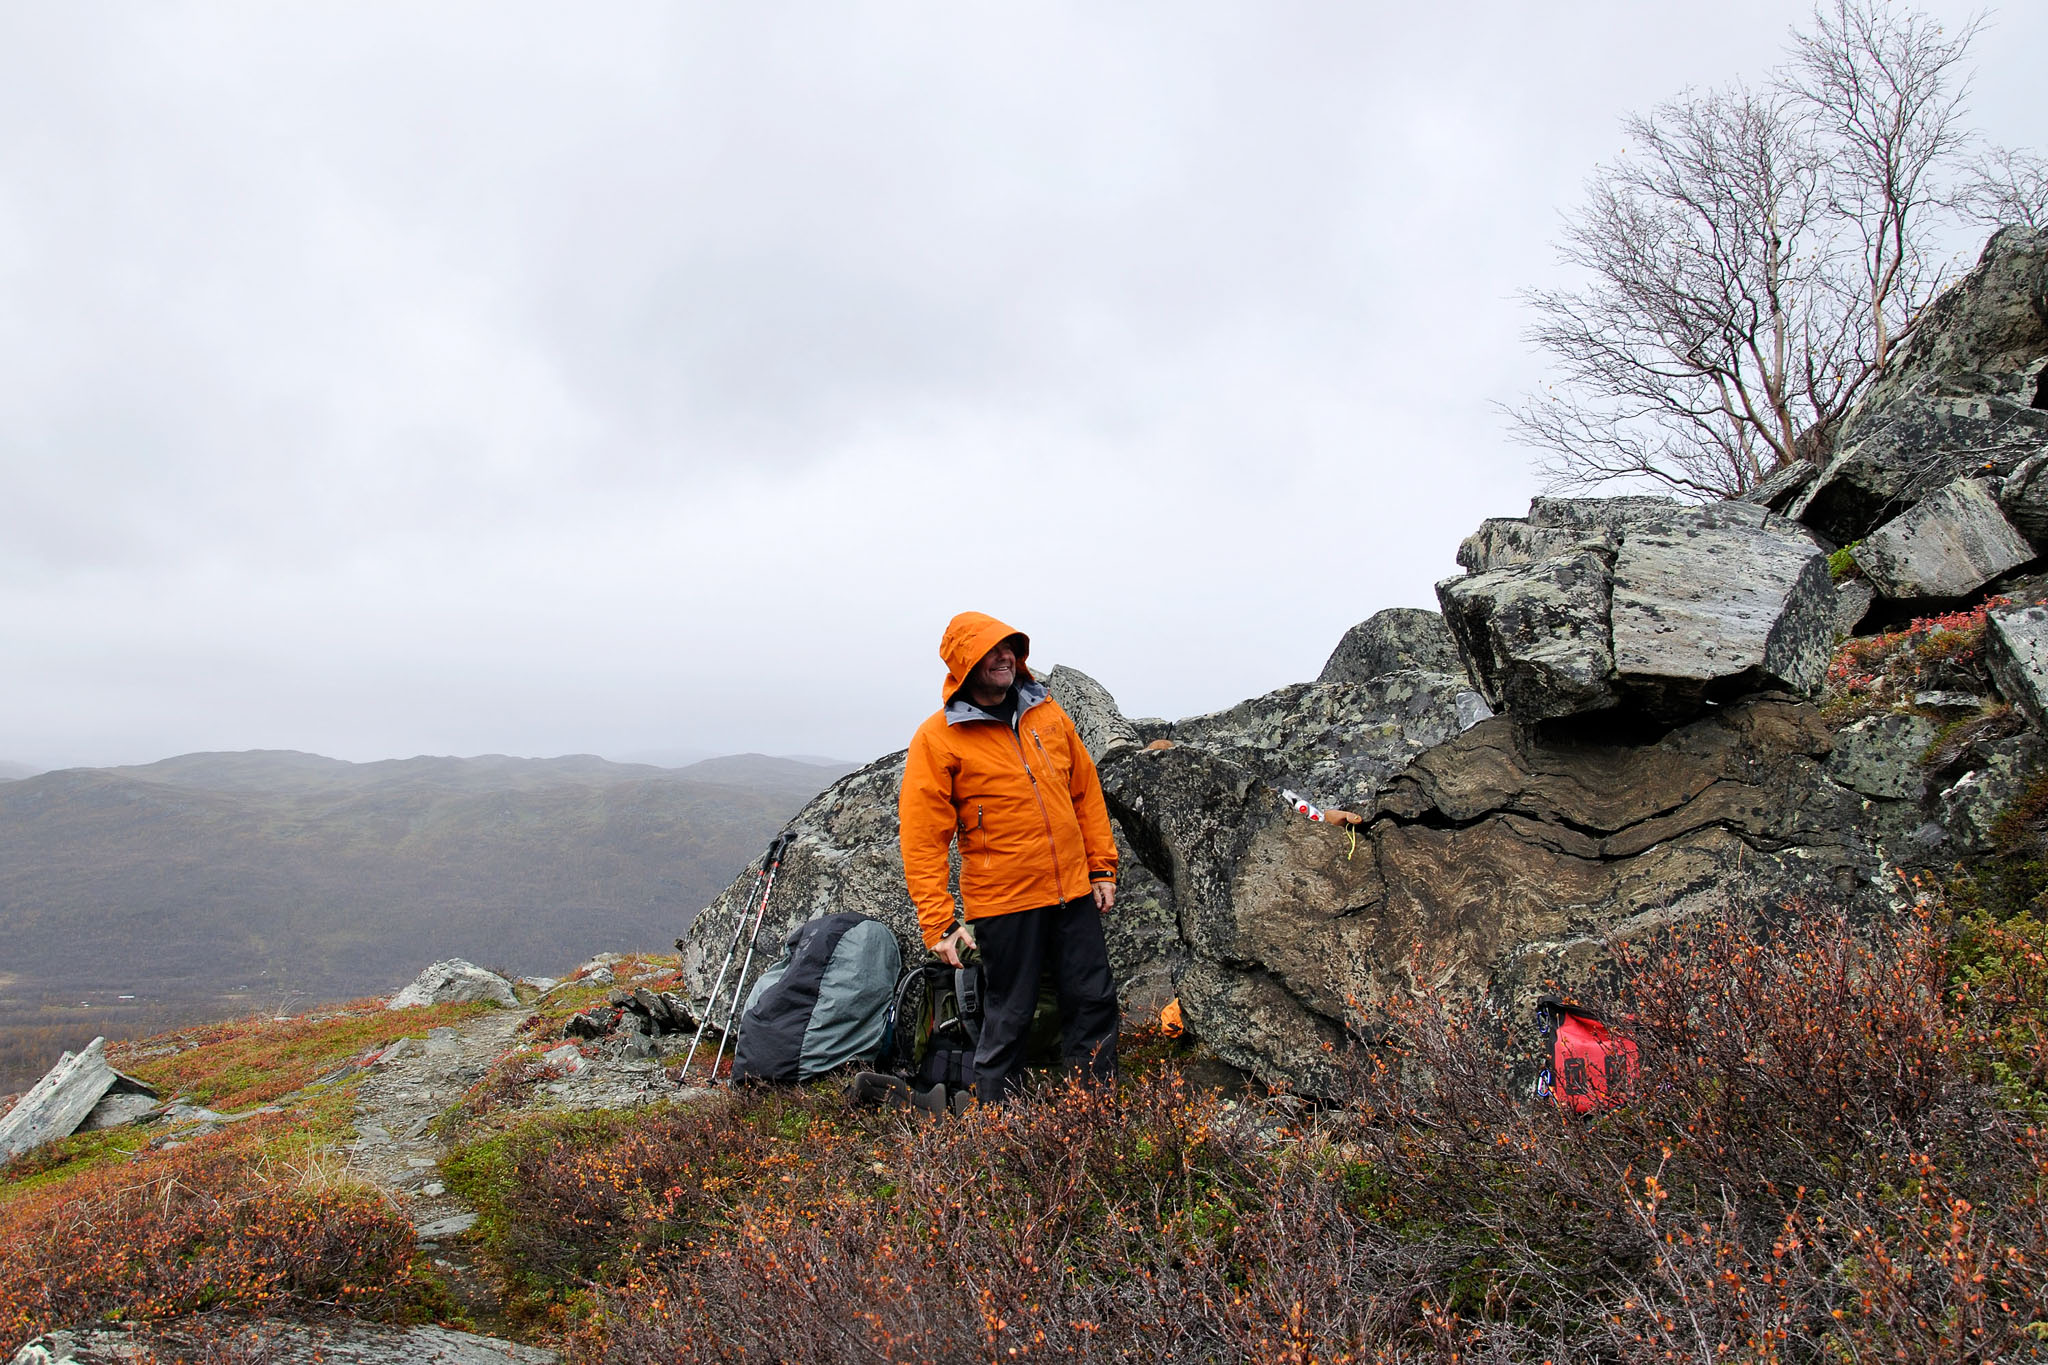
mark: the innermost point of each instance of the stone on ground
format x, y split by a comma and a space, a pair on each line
1950, 544
452, 981
337, 1343
64, 1100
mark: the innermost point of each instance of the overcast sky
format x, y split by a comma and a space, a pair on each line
395, 379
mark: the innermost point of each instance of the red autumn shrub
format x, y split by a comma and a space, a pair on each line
209, 1225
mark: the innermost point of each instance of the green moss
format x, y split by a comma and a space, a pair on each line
1842, 563
67, 1157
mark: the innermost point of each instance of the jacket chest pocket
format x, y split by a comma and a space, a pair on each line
1051, 760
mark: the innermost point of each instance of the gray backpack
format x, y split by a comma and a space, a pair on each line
826, 1003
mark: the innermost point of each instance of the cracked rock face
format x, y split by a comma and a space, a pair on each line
1641, 603
1499, 862
1338, 743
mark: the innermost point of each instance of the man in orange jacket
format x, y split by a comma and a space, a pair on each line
1001, 771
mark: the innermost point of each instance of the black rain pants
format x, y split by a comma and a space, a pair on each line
1016, 950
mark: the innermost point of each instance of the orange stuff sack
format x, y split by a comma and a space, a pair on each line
1590, 1067
1170, 1022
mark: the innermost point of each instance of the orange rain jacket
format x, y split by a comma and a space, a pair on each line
1024, 802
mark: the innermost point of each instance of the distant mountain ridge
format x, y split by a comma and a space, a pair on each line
212, 882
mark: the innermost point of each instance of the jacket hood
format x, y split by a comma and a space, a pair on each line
969, 636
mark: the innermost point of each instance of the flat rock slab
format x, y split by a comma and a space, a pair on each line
1708, 598
64, 1099
354, 1343
1949, 545
2018, 657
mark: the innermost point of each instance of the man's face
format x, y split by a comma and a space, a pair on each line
997, 671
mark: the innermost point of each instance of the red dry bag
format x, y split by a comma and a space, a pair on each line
1591, 1068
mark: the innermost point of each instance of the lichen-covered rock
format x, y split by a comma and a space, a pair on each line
1534, 636
1652, 604
1714, 604
2024, 499
1949, 544
1337, 742
1985, 335
1882, 756
454, 980
2016, 640
1971, 807
1397, 640
1088, 703
277, 1343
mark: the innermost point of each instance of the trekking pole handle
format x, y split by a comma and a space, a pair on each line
777, 849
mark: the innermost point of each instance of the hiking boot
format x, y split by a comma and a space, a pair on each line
889, 1092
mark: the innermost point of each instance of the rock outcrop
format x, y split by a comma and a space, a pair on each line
80, 1092
1962, 397
1499, 862
1612, 726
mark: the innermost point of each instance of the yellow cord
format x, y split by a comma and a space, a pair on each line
1354, 843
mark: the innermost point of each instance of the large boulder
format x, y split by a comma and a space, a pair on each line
1590, 604
1948, 545
451, 981
1958, 399
1397, 640
1499, 862
1534, 635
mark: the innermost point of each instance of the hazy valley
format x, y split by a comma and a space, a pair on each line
212, 884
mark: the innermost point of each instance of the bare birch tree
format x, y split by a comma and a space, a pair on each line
1751, 263
2006, 187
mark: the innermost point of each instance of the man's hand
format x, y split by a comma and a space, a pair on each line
1105, 894
949, 947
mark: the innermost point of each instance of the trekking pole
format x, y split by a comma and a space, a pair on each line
732, 947
732, 1012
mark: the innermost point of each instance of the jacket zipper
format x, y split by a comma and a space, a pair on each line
1059, 880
